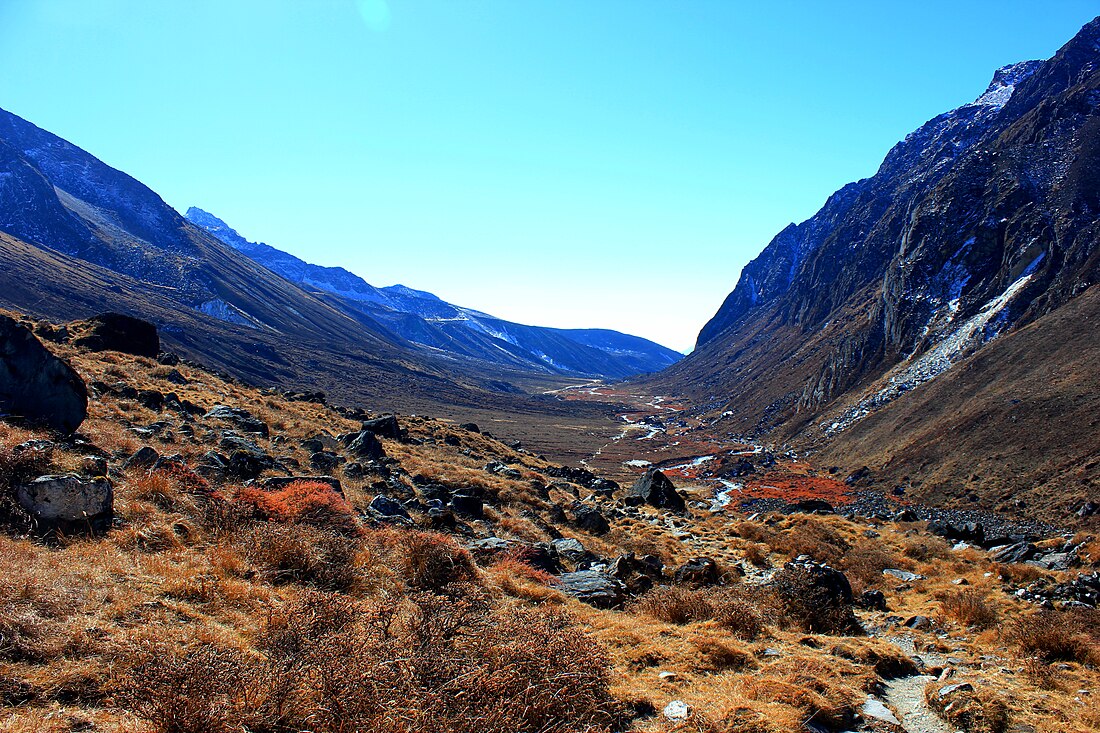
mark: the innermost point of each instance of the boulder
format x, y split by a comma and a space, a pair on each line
144, 457
240, 418
698, 571
469, 427
468, 505
594, 588
118, 332
639, 574
68, 502
818, 596
384, 506
570, 549
654, 488
383, 427
590, 520
365, 445
35, 384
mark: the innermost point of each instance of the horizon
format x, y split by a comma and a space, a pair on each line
524, 189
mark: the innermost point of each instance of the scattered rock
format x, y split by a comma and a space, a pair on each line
654, 488
144, 457
35, 384
240, 418
594, 588
364, 444
698, 571
384, 506
383, 427
68, 502
903, 575
117, 332
590, 520
873, 708
677, 710
570, 549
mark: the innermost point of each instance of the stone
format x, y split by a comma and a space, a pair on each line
365, 444
383, 427
949, 690
325, 460
918, 622
590, 520
1014, 553
668, 676
698, 571
904, 575
873, 600
677, 710
468, 505
384, 506
873, 708
469, 427
570, 549
35, 384
594, 588
118, 332
144, 457
654, 488
68, 502
239, 418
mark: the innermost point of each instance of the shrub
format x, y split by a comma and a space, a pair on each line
426, 561
304, 502
677, 605
980, 711
970, 607
17, 467
864, 563
925, 548
294, 553
817, 599
1058, 635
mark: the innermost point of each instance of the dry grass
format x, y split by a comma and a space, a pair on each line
970, 607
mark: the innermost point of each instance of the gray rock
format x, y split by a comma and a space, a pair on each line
383, 427
240, 418
569, 548
364, 444
594, 588
873, 708
384, 506
949, 690
677, 710
144, 457
35, 384
905, 575
68, 501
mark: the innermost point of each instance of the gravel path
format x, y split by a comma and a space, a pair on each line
906, 696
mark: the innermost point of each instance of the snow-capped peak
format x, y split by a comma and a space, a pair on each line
1004, 83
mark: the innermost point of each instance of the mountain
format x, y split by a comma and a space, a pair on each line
423, 318
980, 224
78, 237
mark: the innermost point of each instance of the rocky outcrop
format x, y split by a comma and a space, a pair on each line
35, 384
117, 332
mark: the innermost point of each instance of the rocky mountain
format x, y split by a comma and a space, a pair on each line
425, 319
980, 223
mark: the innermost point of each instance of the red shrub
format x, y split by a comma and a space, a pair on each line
305, 502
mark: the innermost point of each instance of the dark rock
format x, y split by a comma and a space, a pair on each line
469, 427
698, 571
35, 384
366, 445
384, 506
144, 457
594, 588
1088, 509
638, 574
468, 505
325, 460
240, 418
570, 549
604, 487
69, 503
118, 332
451, 440
590, 520
812, 506
1014, 553
168, 359
918, 622
441, 519
818, 596
151, 398
175, 377
873, 600
654, 488
278, 482
383, 427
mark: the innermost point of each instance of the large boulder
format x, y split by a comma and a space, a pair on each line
594, 588
68, 502
384, 427
118, 332
35, 384
239, 417
364, 444
816, 596
654, 488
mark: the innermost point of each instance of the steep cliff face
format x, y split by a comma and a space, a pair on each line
981, 220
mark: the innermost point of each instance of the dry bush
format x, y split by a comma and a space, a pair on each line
811, 606
334, 665
716, 655
811, 536
17, 467
35, 601
300, 553
520, 580
1072, 636
925, 548
757, 554
675, 604
426, 561
833, 710
970, 607
864, 563
306, 502
1040, 674
1021, 573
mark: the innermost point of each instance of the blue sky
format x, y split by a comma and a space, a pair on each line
573, 163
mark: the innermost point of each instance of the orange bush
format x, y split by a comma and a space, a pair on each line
425, 560
305, 502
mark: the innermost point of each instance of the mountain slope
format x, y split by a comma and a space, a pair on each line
425, 319
980, 222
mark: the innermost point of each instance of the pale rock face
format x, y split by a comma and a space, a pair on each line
67, 499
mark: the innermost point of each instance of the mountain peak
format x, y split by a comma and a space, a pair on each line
217, 227
1004, 83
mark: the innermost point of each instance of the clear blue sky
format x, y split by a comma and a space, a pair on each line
597, 163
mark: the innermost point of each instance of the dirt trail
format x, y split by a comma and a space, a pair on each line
906, 697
